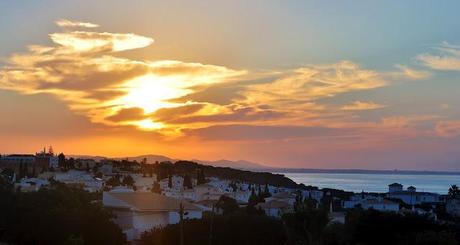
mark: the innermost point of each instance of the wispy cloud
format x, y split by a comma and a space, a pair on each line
71, 23
86, 71
448, 128
300, 88
81, 70
447, 59
360, 105
406, 72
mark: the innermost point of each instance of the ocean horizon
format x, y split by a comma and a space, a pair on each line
374, 181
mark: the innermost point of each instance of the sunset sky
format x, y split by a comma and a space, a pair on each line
311, 84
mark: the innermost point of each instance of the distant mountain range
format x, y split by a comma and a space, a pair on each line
247, 165
239, 164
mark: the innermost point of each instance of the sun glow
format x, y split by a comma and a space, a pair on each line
148, 124
152, 92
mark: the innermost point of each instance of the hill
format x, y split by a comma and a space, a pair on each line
239, 164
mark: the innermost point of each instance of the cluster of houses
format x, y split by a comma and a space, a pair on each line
396, 200
141, 210
139, 207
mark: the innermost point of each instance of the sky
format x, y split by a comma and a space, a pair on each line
305, 84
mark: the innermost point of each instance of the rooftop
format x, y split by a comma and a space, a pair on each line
144, 201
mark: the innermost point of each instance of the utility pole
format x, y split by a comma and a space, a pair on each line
181, 224
210, 225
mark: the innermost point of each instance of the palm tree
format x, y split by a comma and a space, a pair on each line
454, 192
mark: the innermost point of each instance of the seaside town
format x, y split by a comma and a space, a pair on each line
145, 197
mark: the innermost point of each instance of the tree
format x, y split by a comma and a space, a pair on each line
234, 228
306, 226
61, 160
170, 181
454, 192
57, 215
200, 178
128, 181
26, 170
114, 181
253, 199
233, 186
71, 163
187, 182
227, 204
34, 172
267, 190
98, 175
156, 188
21, 171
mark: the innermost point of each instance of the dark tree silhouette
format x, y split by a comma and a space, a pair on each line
128, 180
187, 182
61, 161
454, 192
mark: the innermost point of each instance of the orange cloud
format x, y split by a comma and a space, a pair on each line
448, 128
81, 70
359, 105
86, 71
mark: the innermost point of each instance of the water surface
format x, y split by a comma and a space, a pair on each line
358, 182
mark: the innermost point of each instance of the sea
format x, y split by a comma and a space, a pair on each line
376, 182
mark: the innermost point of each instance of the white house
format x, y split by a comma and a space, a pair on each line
143, 183
188, 194
31, 184
79, 179
274, 208
411, 196
176, 181
220, 184
369, 201
395, 187
286, 197
314, 194
240, 196
207, 192
137, 212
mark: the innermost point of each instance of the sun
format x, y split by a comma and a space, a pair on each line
152, 92
149, 93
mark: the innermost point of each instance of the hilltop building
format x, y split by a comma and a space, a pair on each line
30, 165
411, 196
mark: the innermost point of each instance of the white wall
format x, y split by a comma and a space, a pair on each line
146, 221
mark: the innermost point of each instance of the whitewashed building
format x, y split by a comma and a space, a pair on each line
176, 181
240, 196
137, 212
368, 201
80, 179
314, 194
411, 196
207, 192
274, 208
286, 197
143, 183
30, 184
